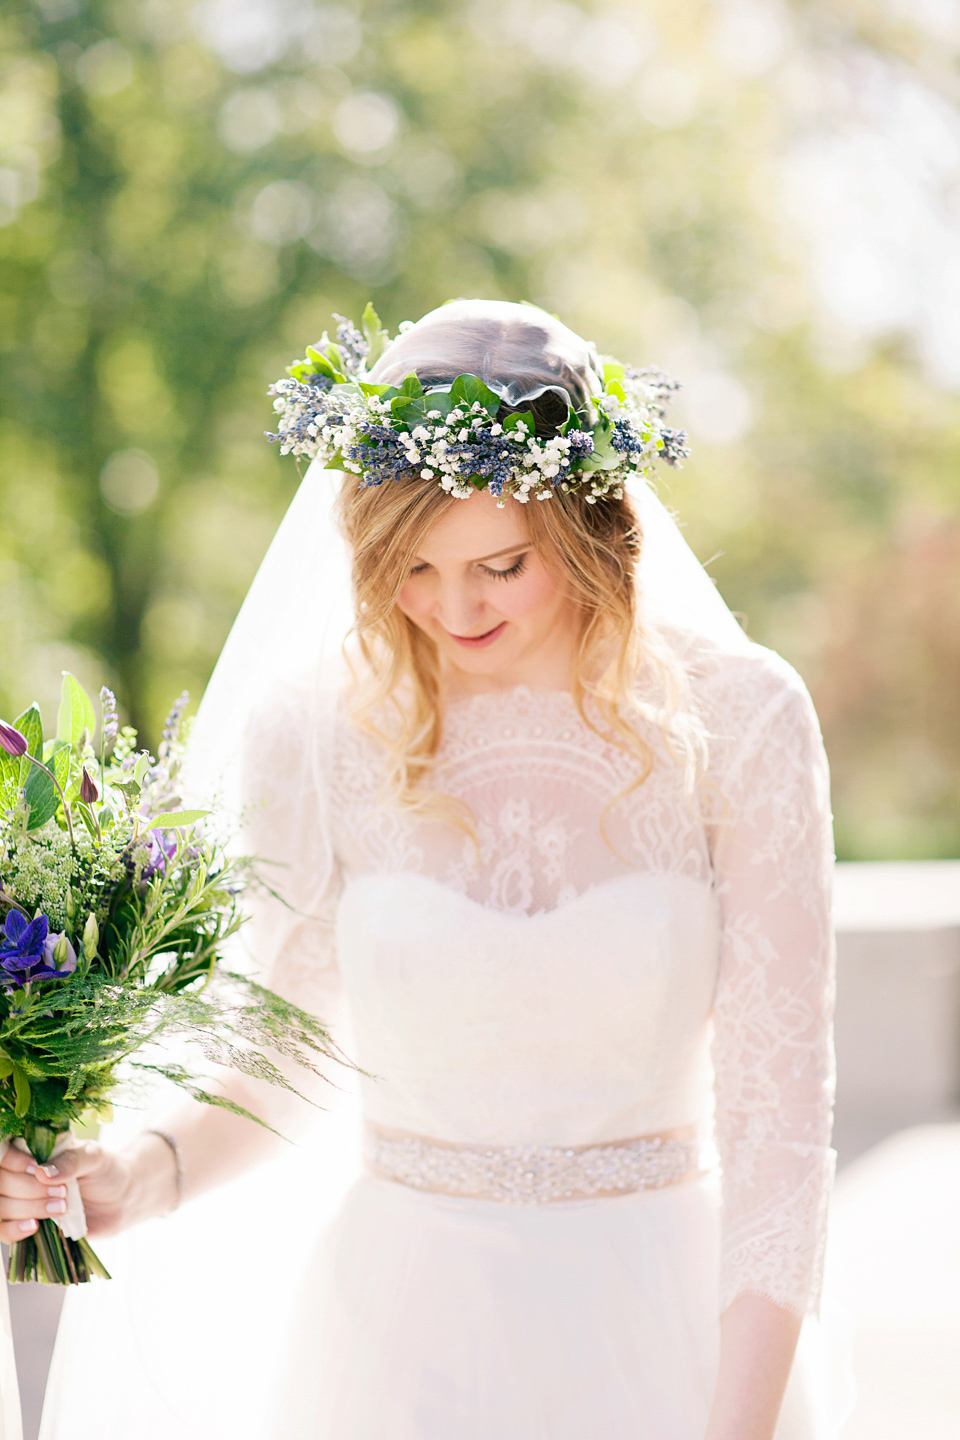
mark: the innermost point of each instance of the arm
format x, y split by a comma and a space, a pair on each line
757, 1343
773, 1058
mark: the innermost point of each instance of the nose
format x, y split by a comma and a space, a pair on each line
459, 608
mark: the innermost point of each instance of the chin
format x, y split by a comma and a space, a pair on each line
481, 662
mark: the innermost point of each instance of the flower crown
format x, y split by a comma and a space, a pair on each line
330, 411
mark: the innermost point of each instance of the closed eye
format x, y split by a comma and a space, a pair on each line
515, 569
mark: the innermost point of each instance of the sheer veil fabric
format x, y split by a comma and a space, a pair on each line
192, 1339
10, 1425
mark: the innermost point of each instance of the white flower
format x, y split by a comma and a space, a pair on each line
434, 415
421, 433
404, 326
496, 429
426, 474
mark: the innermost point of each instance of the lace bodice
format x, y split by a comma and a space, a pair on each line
599, 961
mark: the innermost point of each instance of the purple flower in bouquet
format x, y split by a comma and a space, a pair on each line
161, 847
27, 951
12, 741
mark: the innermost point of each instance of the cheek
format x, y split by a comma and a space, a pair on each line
413, 600
530, 596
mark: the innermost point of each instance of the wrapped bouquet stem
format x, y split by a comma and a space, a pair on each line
115, 907
58, 1253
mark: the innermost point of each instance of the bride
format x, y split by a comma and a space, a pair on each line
561, 836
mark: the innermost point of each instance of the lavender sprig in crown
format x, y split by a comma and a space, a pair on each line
330, 411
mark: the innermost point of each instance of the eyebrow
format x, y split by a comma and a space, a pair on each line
510, 550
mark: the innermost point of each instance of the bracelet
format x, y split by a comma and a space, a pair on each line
174, 1149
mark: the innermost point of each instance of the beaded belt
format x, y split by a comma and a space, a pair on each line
531, 1174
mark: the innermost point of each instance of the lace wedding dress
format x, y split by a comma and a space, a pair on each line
597, 1053
557, 1020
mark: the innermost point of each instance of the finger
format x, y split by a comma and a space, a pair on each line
13, 1230
36, 1209
71, 1164
17, 1160
22, 1187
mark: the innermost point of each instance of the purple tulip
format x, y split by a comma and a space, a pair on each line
26, 951
88, 790
12, 741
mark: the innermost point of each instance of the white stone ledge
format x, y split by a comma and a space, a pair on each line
897, 895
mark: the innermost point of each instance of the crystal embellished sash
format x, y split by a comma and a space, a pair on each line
531, 1174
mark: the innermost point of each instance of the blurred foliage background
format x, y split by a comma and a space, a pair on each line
762, 197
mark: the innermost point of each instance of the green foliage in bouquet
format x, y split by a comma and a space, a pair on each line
115, 905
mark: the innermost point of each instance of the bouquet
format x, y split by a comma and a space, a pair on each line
115, 905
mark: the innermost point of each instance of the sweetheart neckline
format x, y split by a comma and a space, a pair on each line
591, 893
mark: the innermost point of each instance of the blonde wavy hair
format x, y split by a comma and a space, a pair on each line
397, 693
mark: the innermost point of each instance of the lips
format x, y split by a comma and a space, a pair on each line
480, 642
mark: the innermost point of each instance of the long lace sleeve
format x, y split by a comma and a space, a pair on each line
773, 1048
290, 933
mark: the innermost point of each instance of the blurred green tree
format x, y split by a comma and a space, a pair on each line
187, 191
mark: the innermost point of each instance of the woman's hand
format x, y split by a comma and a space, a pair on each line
118, 1188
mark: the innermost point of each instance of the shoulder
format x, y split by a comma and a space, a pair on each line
747, 682
748, 699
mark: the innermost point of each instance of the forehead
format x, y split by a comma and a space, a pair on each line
472, 528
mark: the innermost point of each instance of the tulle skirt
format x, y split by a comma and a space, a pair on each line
426, 1318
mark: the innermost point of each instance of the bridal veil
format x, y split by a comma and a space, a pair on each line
188, 1341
